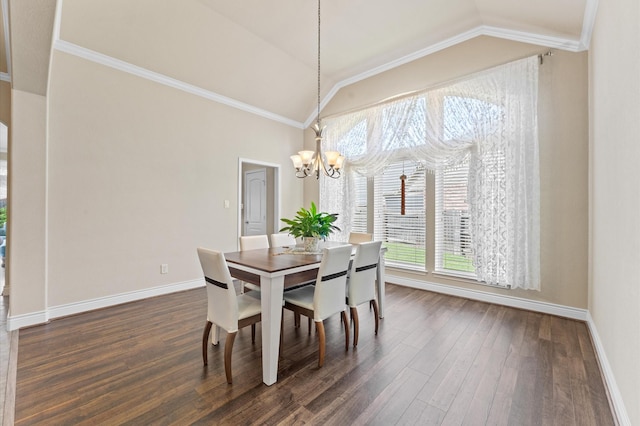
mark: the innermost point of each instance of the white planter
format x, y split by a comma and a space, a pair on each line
310, 244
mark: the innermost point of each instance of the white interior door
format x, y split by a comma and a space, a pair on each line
255, 202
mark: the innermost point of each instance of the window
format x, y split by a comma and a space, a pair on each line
402, 235
479, 137
453, 240
376, 208
359, 218
454, 249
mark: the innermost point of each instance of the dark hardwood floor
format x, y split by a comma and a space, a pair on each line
436, 360
8, 355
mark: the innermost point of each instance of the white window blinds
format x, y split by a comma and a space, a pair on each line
453, 245
403, 235
359, 215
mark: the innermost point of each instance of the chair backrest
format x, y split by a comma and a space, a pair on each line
359, 237
279, 240
331, 283
253, 242
362, 277
222, 303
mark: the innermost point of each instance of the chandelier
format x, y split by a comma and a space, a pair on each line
309, 163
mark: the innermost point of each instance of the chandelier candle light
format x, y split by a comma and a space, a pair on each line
309, 163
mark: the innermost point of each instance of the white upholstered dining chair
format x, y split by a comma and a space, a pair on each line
361, 283
225, 309
359, 237
327, 297
280, 240
252, 242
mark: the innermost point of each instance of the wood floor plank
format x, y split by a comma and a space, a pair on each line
598, 394
583, 410
482, 400
468, 357
394, 400
436, 360
502, 399
458, 409
563, 410
346, 404
544, 382
522, 410
421, 413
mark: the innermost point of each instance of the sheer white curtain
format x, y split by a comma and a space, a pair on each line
337, 196
504, 183
489, 118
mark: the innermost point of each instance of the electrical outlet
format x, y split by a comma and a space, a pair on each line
164, 268
226, 204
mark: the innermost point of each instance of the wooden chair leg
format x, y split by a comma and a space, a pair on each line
228, 349
375, 312
309, 325
205, 337
356, 325
321, 342
346, 330
253, 333
296, 320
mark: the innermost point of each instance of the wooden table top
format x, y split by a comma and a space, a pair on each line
276, 258
271, 259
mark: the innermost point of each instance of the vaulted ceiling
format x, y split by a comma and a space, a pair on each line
261, 54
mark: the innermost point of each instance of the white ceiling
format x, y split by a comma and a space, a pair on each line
262, 53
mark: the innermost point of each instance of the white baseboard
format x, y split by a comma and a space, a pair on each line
617, 404
498, 299
35, 318
20, 321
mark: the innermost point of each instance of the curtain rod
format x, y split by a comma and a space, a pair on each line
541, 56
393, 98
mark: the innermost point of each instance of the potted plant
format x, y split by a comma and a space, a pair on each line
311, 225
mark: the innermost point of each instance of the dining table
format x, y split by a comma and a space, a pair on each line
275, 269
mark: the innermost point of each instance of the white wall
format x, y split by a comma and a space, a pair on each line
614, 293
136, 176
26, 259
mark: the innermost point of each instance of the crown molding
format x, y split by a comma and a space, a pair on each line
99, 58
7, 45
519, 36
588, 23
533, 38
482, 30
460, 38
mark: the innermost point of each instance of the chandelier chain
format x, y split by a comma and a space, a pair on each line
311, 163
318, 117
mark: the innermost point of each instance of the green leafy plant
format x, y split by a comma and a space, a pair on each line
311, 223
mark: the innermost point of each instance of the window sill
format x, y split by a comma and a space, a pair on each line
420, 272
463, 276
466, 278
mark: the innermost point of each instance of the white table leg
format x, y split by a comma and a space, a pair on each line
271, 301
380, 286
